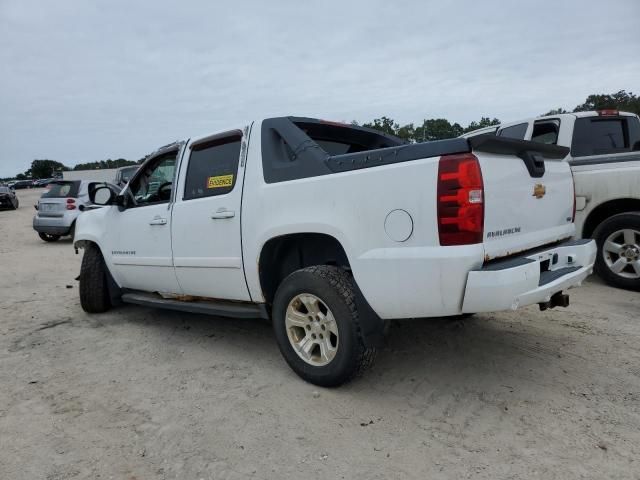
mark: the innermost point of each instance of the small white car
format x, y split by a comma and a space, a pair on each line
329, 230
59, 207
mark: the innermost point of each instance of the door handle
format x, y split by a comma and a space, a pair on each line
223, 213
158, 221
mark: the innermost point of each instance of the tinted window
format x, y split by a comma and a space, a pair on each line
155, 182
546, 132
127, 173
517, 131
62, 190
600, 136
213, 168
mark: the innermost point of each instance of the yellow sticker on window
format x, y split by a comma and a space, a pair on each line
220, 181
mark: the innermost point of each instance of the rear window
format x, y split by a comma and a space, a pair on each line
62, 190
516, 131
546, 132
337, 139
602, 136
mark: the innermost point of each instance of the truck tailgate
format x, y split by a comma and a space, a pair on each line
528, 194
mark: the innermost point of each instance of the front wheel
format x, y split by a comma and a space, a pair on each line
618, 260
49, 237
94, 286
315, 320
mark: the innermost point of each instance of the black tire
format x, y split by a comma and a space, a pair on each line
617, 223
335, 288
94, 289
48, 237
72, 231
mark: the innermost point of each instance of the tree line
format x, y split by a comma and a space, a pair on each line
441, 128
429, 130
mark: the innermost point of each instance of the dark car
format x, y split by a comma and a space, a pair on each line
8, 198
22, 184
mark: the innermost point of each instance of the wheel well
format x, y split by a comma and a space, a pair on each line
284, 255
606, 210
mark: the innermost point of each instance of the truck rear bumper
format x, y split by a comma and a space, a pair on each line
531, 278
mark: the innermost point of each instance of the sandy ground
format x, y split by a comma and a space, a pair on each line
143, 394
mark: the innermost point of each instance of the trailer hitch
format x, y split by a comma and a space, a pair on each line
557, 300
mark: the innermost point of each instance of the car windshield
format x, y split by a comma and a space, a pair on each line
4, 190
62, 190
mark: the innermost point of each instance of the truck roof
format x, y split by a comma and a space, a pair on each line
590, 113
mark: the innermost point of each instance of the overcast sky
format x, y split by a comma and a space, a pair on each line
89, 80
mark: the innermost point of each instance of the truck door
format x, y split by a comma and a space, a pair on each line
139, 237
207, 251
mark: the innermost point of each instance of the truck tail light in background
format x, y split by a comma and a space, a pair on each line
71, 203
460, 200
606, 112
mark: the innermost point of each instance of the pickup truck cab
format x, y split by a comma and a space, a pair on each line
605, 160
329, 230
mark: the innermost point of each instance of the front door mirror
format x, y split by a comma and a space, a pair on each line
102, 195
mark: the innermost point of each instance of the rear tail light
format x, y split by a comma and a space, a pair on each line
608, 112
460, 200
71, 203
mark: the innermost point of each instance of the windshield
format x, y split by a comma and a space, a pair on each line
4, 190
62, 190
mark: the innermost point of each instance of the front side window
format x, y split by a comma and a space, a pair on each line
546, 132
213, 168
516, 131
155, 182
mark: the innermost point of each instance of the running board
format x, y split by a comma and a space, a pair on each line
217, 308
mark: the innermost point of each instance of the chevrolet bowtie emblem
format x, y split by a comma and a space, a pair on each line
539, 190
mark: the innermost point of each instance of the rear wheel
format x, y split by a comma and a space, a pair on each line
618, 260
49, 237
94, 290
315, 320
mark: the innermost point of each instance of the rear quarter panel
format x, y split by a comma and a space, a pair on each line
413, 278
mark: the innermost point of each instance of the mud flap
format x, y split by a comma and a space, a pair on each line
372, 326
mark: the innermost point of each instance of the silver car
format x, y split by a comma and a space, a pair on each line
60, 205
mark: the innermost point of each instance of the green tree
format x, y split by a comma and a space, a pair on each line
384, 124
45, 168
555, 111
437, 129
484, 122
621, 100
101, 164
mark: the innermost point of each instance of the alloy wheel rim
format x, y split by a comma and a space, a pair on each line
621, 253
312, 329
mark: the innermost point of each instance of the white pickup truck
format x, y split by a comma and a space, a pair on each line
329, 230
605, 160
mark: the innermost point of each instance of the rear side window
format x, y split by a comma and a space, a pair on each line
601, 136
62, 190
546, 132
213, 168
516, 131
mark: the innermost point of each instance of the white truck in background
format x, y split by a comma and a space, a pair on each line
330, 229
605, 160
95, 175
116, 176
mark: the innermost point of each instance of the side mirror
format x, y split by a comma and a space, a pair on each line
102, 196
